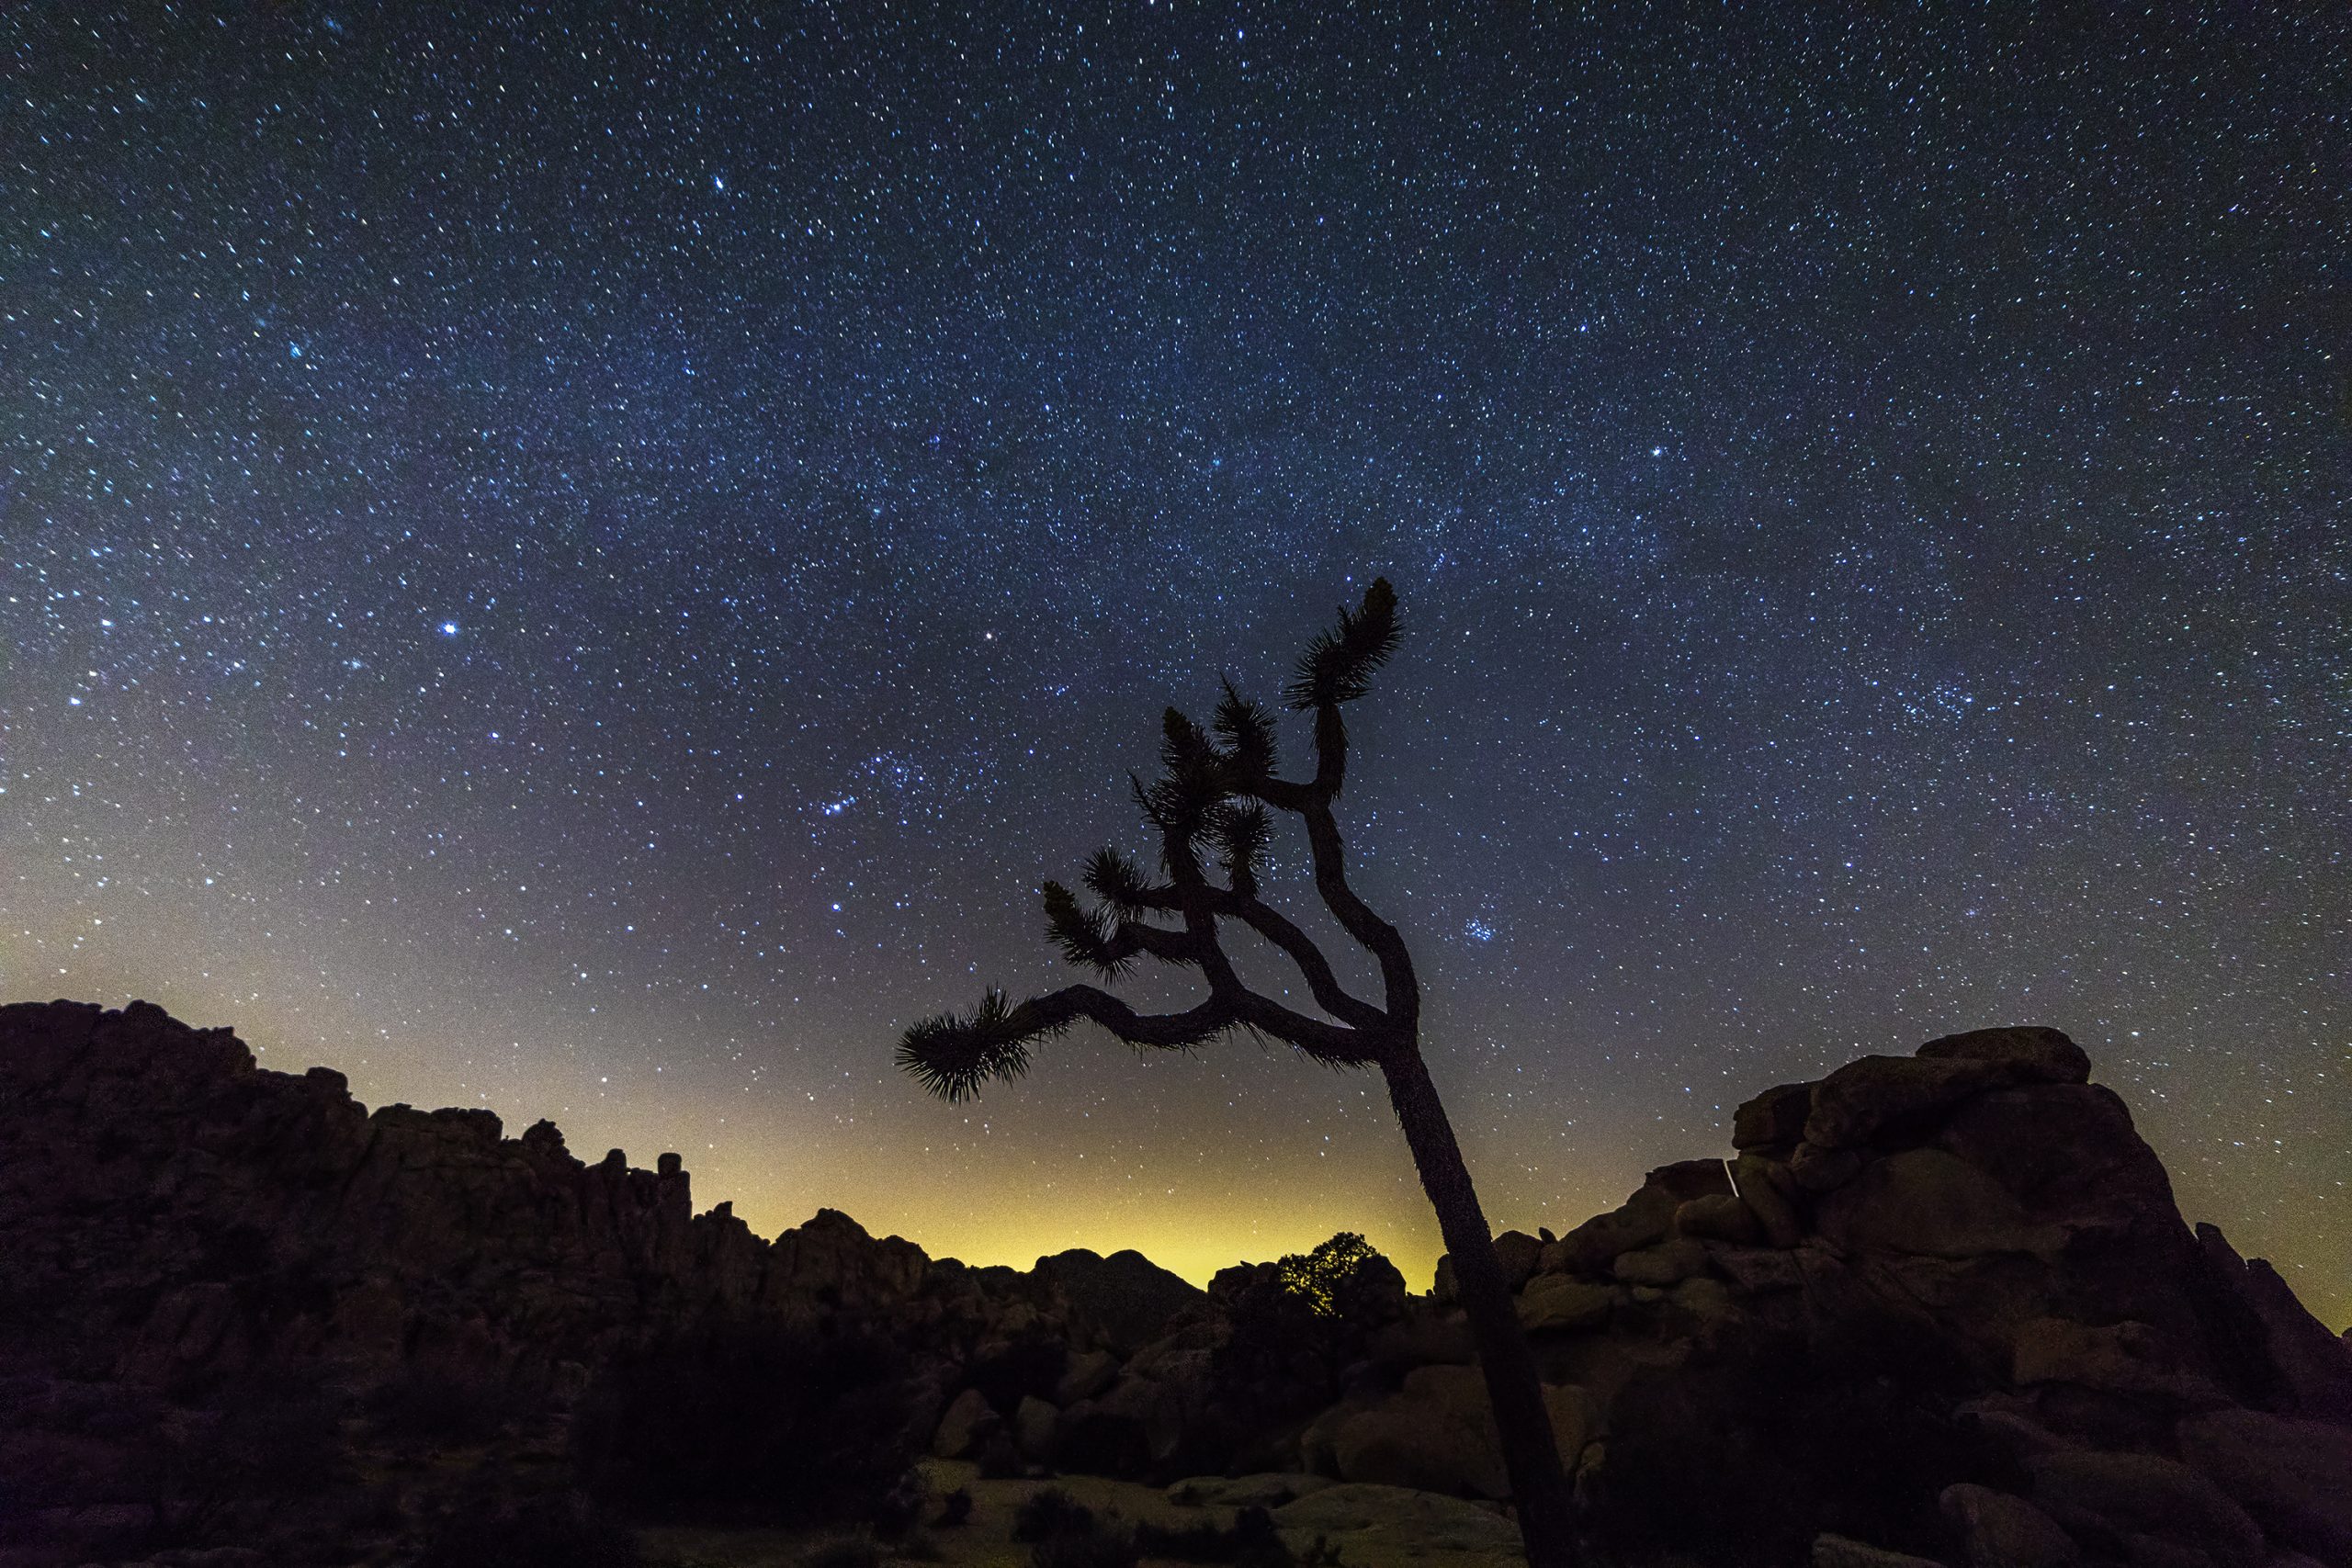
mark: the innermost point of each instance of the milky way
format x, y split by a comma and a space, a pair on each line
592, 567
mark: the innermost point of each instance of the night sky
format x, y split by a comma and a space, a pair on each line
591, 568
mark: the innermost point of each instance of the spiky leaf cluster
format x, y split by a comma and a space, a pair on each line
1248, 731
952, 1056
1114, 877
1338, 665
1241, 834
1083, 934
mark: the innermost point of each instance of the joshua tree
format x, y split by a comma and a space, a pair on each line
1213, 804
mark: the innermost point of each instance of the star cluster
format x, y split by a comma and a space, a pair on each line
589, 559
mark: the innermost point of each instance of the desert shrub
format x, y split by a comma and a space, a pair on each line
1296, 1323
853, 1551
547, 1534
1095, 1543
900, 1508
743, 1425
1049, 1511
1343, 1278
1250, 1543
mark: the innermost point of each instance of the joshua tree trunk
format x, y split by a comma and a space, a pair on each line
1531, 1453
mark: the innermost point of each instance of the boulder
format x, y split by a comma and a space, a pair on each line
1398, 1446
1424, 1337
1758, 1271
2293, 1476
1647, 1216
1088, 1374
1689, 1179
2042, 1055
1997, 1531
1705, 1301
1437, 1433
1557, 1303
1265, 1490
2009, 1421
1390, 1524
1667, 1263
832, 1256
1841, 1552
1768, 1189
2314, 1365
2067, 1151
1879, 1097
2116, 1357
2141, 1550
1033, 1423
1774, 1119
2134, 1494
1719, 1217
1518, 1253
1933, 1204
1120, 1302
968, 1423
1817, 1170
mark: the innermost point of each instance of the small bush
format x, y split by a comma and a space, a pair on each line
901, 1508
842, 1551
1252, 1543
1049, 1513
1094, 1543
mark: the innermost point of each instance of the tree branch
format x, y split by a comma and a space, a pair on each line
1387, 944
954, 1056
1278, 928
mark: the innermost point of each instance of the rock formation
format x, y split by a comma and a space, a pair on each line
1938, 1308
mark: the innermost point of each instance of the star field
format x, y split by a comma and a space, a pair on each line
590, 566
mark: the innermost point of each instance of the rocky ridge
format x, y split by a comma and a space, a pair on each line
1941, 1307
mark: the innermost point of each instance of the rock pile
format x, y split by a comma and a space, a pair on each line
1935, 1308
1967, 1256
191, 1246
173, 1209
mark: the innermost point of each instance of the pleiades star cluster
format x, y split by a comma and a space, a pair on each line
588, 559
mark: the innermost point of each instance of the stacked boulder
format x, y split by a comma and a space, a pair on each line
2105, 1385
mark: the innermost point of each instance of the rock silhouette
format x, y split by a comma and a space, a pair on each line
1941, 1307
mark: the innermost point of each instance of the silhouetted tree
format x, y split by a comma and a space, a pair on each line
1212, 806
